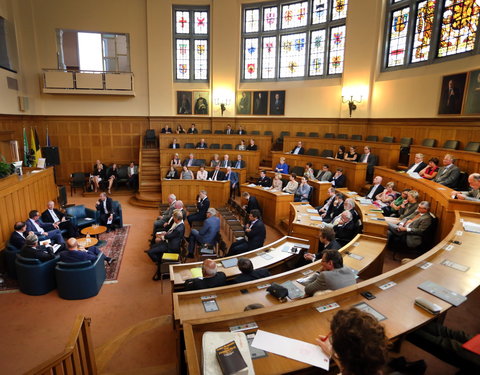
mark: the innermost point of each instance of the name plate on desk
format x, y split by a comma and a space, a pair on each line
443, 293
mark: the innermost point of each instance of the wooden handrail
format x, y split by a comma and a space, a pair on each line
78, 356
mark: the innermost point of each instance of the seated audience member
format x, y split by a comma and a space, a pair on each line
309, 172
334, 275
207, 234
357, 344
159, 225
277, 183
74, 253
239, 163
411, 229
407, 208
169, 241
322, 210
178, 206
340, 155
31, 249
190, 161
324, 174
352, 154
292, 184
112, 175
229, 129
255, 233
180, 129
211, 277
393, 208
431, 170
387, 196
105, 208
349, 205
165, 216
99, 174
215, 161
252, 146
43, 230
282, 167
166, 129
298, 149
335, 209
176, 161
172, 174
233, 178
338, 180
248, 273
369, 159
202, 174
375, 189
203, 204
302, 194
346, 229
192, 129
264, 180
58, 219
449, 173
17, 238
241, 130
174, 144
418, 165
216, 174
226, 161
252, 203
132, 173
202, 144
327, 242
242, 146
186, 174
474, 193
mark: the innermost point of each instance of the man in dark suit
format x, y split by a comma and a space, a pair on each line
233, 178
76, 254
43, 230
58, 219
298, 149
166, 129
327, 242
239, 163
192, 129
216, 174
168, 242
190, 161
203, 204
252, 203
105, 208
339, 180
418, 165
207, 234
225, 162
346, 229
17, 238
241, 131
202, 144
211, 278
264, 180
448, 174
248, 273
31, 249
229, 129
371, 161
322, 210
335, 209
255, 233
174, 144
376, 188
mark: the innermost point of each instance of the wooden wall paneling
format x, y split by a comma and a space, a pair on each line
353, 126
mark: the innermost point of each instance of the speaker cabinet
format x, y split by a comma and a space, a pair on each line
52, 155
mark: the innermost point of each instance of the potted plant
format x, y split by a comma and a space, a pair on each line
5, 168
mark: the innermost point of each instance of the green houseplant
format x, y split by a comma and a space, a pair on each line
5, 168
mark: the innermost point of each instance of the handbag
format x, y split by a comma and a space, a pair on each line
277, 291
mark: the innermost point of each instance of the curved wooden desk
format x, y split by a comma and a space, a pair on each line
187, 191
274, 204
276, 257
439, 196
300, 319
233, 299
354, 172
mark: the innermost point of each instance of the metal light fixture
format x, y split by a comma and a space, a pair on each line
222, 102
351, 103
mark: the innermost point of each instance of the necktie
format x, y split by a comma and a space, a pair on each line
54, 216
408, 222
215, 175
238, 165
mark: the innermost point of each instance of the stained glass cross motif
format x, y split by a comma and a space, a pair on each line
270, 18
337, 38
288, 16
182, 48
301, 13
183, 68
182, 21
201, 21
287, 45
336, 61
269, 47
318, 41
299, 44
200, 49
292, 65
251, 50
251, 68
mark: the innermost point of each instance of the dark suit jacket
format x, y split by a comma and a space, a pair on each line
168, 130
345, 233
233, 178
252, 148
210, 229
301, 152
17, 240
333, 212
72, 256
177, 145
45, 226
265, 181
47, 218
174, 238
417, 228
378, 190
207, 282
254, 275
419, 167
175, 175
242, 164
201, 145
41, 253
225, 165
231, 131
242, 132
194, 162
220, 175
449, 177
371, 160
203, 206
256, 236
252, 204
109, 207
340, 181
334, 245
194, 131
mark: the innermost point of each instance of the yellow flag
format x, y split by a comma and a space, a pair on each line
35, 151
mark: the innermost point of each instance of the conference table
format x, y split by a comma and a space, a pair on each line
395, 293
274, 204
187, 191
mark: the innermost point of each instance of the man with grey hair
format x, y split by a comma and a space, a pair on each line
164, 217
410, 230
418, 164
474, 193
207, 234
31, 249
345, 229
449, 173
203, 204
170, 241
211, 277
59, 220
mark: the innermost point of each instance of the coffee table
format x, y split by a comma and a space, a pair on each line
87, 242
94, 230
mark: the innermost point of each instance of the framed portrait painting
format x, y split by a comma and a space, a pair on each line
260, 102
277, 102
201, 102
451, 96
472, 95
184, 102
244, 102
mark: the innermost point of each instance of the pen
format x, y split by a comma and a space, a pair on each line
326, 337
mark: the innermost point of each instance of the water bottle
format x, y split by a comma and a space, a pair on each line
88, 238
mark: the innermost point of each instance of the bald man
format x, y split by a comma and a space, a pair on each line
74, 253
474, 193
448, 174
211, 277
59, 220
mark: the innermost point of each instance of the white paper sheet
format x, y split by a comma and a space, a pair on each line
316, 218
295, 349
312, 211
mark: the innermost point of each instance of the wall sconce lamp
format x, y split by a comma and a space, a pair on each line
222, 102
351, 103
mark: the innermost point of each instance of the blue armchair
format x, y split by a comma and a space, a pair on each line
80, 280
117, 211
35, 277
81, 216
10, 256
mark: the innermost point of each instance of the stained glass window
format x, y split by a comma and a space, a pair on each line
287, 39
425, 31
191, 43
